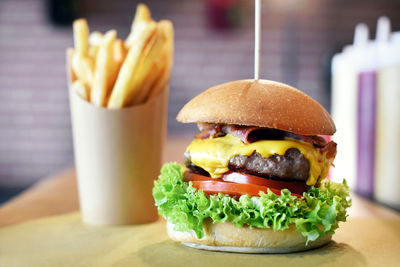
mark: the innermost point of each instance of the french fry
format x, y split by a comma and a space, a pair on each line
119, 51
143, 14
83, 68
81, 89
93, 50
70, 72
102, 83
81, 37
125, 88
150, 55
160, 82
95, 38
149, 81
159, 71
119, 54
150, 65
163, 79
82, 64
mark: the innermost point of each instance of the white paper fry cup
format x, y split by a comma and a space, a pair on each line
118, 155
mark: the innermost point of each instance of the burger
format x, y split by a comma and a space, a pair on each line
254, 177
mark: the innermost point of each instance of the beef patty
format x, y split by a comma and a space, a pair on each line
292, 165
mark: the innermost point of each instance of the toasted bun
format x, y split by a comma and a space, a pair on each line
260, 103
229, 238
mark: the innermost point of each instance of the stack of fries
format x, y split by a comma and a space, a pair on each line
109, 72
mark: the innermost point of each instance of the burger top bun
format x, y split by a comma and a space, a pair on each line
259, 103
227, 237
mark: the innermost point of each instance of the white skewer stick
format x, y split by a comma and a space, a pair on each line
257, 42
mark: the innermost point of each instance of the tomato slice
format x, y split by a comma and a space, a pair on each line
237, 184
233, 189
296, 187
190, 176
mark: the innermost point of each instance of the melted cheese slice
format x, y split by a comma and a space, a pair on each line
213, 155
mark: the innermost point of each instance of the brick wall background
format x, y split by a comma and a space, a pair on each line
298, 40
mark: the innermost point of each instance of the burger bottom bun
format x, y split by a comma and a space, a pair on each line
229, 238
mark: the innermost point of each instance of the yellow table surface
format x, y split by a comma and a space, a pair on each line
65, 241
29, 237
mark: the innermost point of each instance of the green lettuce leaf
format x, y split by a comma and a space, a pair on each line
186, 207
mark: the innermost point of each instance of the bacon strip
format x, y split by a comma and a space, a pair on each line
316, 140
210, 130
331, 149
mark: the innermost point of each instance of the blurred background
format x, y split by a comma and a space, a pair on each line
214, 44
